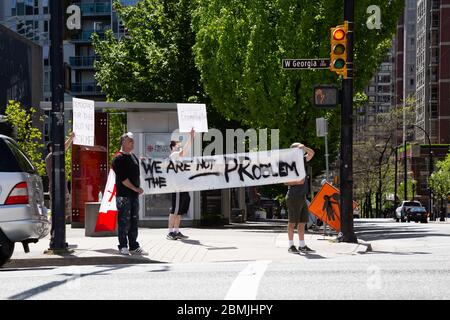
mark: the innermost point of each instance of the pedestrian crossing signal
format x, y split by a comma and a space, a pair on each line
338, 53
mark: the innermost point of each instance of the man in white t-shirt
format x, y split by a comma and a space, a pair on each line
180, 200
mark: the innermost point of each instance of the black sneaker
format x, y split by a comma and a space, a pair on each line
305, 249
171, 236
292, 249
181, 236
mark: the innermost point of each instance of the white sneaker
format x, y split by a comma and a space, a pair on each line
139, 251
124, 252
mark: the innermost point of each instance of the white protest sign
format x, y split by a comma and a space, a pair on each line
83, 122
192, 115
221, 172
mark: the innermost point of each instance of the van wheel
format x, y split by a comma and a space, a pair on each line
6, 249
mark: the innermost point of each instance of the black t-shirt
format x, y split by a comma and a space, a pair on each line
126, 166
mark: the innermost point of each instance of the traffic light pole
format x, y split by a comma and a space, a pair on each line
58, 234
346, 168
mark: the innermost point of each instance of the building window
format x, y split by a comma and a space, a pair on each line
29, 9
46, 26
434, 110
20, 9
45, 6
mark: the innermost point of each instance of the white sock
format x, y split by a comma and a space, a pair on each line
302, 243
170, 230
175, 230
291, 243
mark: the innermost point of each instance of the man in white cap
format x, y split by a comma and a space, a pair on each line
126, 167
297, 206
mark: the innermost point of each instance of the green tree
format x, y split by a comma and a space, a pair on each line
154, 61
117, 121
440, 180
373, 155
240, 45
28, 136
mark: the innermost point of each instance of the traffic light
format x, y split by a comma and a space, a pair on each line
338, 54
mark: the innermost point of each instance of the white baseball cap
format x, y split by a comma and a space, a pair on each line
129, 135
126, 135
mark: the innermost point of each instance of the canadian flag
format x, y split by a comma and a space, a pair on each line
107, 216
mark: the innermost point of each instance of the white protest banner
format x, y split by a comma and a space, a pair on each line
83, 122
192, 115
220, 172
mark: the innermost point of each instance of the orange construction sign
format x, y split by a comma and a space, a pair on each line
325, 206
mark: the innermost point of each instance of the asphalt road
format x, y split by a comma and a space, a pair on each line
407, 261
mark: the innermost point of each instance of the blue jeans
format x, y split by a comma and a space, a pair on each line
128, 218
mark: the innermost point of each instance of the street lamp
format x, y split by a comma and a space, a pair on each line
380, 162
430, 168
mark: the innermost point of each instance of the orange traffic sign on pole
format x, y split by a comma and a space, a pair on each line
326, 207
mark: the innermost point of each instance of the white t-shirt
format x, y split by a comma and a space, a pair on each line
176, 155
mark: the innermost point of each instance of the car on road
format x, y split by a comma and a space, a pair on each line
23, 216
417, 214
400, 212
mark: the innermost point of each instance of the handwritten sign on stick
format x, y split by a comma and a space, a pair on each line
83, 122
222, 171
192, 115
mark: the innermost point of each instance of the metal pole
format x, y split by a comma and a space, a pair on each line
405, 172
430, 167
395, 180
58, 236
327, 171
346, 168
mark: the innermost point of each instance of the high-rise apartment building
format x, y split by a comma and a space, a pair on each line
433, 71
31, 18
380, 93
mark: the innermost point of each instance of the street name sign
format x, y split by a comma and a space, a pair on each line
306, 63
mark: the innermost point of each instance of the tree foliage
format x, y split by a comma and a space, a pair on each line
154, 61
28, 136
440, 179
117, 121
373, 154
240, 45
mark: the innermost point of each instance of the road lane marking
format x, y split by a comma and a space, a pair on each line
245, 286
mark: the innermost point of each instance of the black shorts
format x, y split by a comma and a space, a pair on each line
297, 209
180, 203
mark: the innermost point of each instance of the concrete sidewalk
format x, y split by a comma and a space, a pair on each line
237, 242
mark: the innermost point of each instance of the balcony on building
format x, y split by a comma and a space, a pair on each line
85, 36
82, 62
87, 89
100, 8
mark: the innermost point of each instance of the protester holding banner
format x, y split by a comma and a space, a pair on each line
126, 167
297, 206
180, 200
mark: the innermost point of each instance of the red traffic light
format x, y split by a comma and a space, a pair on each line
339, 34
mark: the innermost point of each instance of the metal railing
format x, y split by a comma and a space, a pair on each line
85, 36
87, 88
82, 61
95, 8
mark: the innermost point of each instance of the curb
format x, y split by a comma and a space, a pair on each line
75, 261
363, 247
